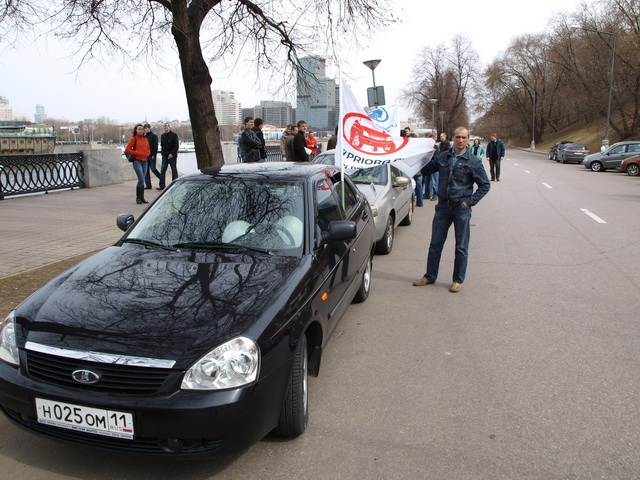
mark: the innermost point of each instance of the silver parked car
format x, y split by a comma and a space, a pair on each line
390, 194
612, 157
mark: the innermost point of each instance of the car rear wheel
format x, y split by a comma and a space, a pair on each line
365, 286
633, 169
295, 411
384, 246
409, 218
597, 167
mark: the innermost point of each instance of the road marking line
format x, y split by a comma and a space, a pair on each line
527, 171
592, 215
547, 185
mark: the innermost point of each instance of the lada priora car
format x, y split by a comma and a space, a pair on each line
363, 135
391, 196
198, 329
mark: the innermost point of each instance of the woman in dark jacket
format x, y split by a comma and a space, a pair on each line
138, 146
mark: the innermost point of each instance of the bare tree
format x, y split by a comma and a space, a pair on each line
271, 34
448, 74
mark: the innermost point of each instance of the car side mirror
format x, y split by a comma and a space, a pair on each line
124, 221
401, 181
340, 230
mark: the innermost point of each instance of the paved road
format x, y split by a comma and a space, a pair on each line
531, 372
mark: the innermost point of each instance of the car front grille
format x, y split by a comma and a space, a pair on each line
116, 378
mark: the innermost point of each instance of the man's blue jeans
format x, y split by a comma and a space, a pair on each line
418, 190
151, 161
444, 216
141, 171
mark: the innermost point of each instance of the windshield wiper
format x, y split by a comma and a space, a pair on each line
147, 243
218, 245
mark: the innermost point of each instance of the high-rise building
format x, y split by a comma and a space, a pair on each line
40, 116
228, 110
6, 112
316, 95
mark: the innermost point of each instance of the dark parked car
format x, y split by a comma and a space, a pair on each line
612, 157
198, 329
571, 152
554, 149
390, 193
631, 166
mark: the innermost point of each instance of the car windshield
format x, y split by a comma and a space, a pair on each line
376, 175
233, 213
325, 159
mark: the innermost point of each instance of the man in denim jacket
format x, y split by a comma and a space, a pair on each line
459, 170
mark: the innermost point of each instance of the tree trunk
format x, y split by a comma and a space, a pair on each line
197, 84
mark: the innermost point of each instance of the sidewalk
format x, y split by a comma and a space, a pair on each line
38, 230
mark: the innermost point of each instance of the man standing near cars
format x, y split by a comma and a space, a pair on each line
283, 141
459, 171
288, 144
249, 143
151, 161
495, 153
170, 144
300, 143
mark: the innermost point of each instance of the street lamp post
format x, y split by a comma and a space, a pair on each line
372, 64
533, 122
442, 112
605, 141
433, 102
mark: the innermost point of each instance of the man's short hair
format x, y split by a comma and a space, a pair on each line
494, 135
146, 125
167, 125
301, 122
248, 119
257, 122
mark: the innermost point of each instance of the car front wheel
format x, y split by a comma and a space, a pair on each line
633, 169
384, 246
365, 286
295, 411
597, 167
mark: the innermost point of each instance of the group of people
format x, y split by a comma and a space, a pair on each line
296, 145
143, 146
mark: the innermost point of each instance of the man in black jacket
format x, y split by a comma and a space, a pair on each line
300, 143
495, 153
151, 161
170, 144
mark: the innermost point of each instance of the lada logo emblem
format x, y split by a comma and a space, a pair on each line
86, 377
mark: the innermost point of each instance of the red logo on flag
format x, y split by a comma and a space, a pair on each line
363, 135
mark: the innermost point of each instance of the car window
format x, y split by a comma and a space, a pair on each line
347, 195
327, 207
259, 214
633, 147
617, 149
325, 159
376, 175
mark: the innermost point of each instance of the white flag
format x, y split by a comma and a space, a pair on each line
386, 117
362, 144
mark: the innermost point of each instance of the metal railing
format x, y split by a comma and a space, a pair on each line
21, 174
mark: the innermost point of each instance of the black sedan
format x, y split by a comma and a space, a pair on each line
197, 330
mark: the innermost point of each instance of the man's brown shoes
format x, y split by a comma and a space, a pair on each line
455, 287
423, 281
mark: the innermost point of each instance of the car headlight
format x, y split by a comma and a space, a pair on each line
232, 364
8, 345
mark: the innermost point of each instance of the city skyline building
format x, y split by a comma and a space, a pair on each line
40, 116
316, 95
6, 112
228, 109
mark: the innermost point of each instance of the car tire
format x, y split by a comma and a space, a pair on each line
365, 286
633, 169
408, 220
294, 415
597, 167
385, 244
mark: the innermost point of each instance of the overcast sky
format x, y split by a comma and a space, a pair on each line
43, 74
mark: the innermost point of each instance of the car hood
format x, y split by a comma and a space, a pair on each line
158, 304
373, 193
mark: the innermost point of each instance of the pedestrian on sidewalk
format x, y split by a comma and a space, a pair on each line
459, 171
151, 161
170, 143
495, 153
138, 146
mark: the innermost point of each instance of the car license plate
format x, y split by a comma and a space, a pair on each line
110, 423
